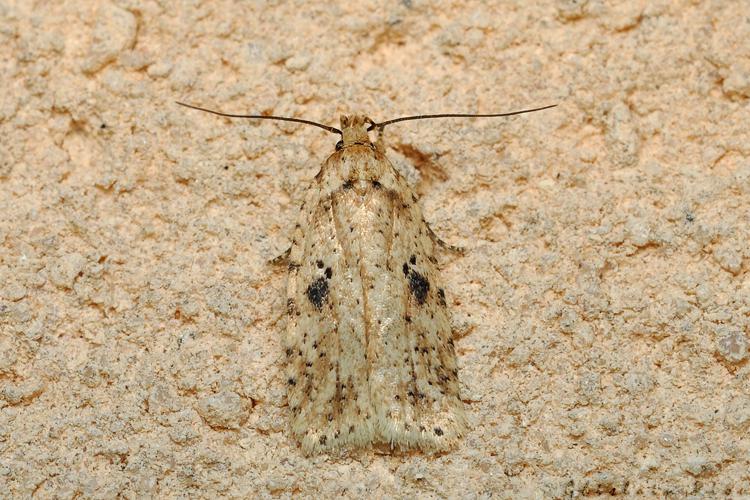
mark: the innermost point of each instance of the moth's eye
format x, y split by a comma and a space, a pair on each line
339, 145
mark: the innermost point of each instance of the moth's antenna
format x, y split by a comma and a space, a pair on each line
264, 117
381, 125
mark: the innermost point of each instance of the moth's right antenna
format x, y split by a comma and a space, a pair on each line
382, 125
264, 117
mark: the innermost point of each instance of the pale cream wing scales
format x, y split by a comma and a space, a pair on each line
355, 416
295, 340
365, 225
371, 358
431, 412
319, 336
442, 418
301, 326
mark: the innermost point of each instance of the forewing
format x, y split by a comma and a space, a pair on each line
415, 378
327, 367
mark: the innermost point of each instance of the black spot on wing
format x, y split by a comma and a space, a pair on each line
317, 292
419, 286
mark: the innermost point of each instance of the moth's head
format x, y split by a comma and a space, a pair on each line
354, 130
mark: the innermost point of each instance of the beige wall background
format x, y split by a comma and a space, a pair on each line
601, 312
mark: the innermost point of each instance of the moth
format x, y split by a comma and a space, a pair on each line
370, 358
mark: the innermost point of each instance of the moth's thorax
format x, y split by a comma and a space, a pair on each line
357, 162
354, 130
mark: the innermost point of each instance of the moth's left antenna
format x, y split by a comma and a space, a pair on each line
333, 130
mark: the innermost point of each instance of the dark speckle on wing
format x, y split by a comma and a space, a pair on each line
317, 292
441, 297
419, 286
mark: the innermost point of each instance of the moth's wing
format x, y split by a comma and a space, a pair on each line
419, 406
325, 343
369, 344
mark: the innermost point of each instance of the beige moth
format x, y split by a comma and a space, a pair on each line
370, 359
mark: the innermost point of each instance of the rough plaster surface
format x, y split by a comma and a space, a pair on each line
602, 310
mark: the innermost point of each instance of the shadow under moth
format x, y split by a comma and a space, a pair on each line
369, 346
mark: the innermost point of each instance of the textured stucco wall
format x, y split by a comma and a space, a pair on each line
602, 310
